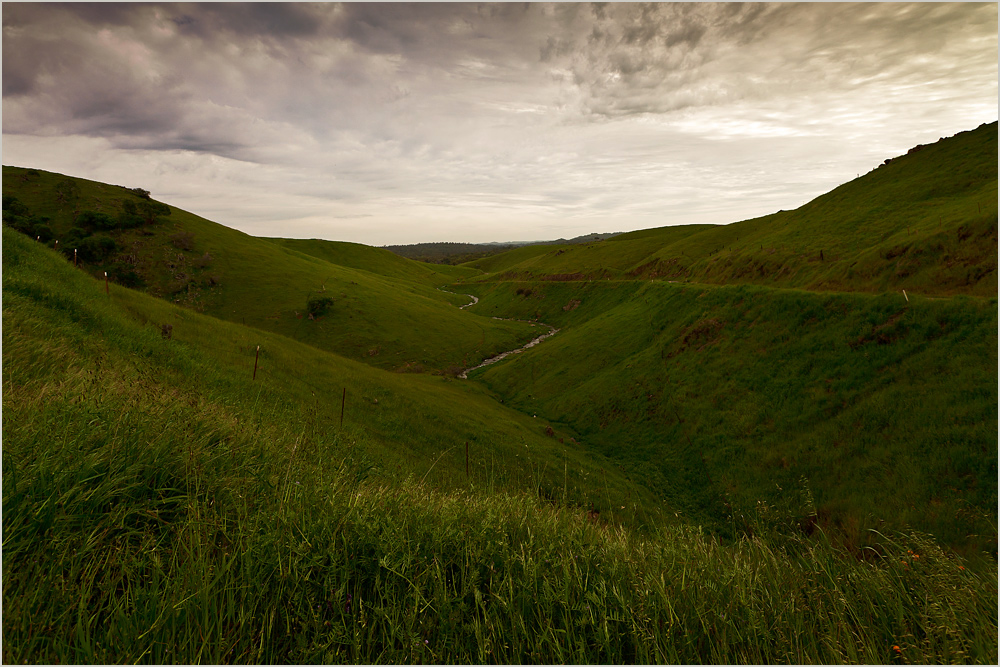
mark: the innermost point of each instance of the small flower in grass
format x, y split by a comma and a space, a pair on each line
347, 606
896, 648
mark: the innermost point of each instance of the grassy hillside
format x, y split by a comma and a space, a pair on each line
599, 259
161, 506
388, 315
719, 397
409, 422
447, 253
925, 222
377, 260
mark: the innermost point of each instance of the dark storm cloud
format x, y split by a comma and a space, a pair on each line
137, 74
256, 19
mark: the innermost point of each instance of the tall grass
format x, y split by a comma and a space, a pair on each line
138, 528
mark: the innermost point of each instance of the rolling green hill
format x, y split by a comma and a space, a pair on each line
925, 222
598, 259
377, 260
389, 314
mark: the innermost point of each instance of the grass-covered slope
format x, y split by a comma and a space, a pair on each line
718, 397
925, 222
58, 318
161, 506
377, 260
598, 259
389, 315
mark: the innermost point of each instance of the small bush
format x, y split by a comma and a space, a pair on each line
183, 241
125, 276
42, 232
142, 213
12, 206
95, 220
96, 248
319, 305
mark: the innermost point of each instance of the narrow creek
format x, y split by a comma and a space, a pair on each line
503, 355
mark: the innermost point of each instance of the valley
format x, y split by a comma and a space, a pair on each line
711, 443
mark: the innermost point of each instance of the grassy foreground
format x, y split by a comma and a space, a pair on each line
157, 510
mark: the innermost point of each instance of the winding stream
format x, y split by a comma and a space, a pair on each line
533, 342
492, 360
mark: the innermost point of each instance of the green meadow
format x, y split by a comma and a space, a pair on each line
745, 444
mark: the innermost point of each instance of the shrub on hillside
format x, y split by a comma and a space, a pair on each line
95, 220
42, 232
202, 261
183, 241
135, 214
12, 207
74, 237
125, 276
129, 216
319, 305
16, 214
96, 248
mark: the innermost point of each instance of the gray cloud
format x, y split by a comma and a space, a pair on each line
534, 113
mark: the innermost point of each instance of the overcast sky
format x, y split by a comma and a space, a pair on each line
383, 123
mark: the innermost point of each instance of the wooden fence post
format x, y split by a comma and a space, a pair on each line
343, 401
255, 363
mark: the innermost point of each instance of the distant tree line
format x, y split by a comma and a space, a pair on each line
459, 253
448, 253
